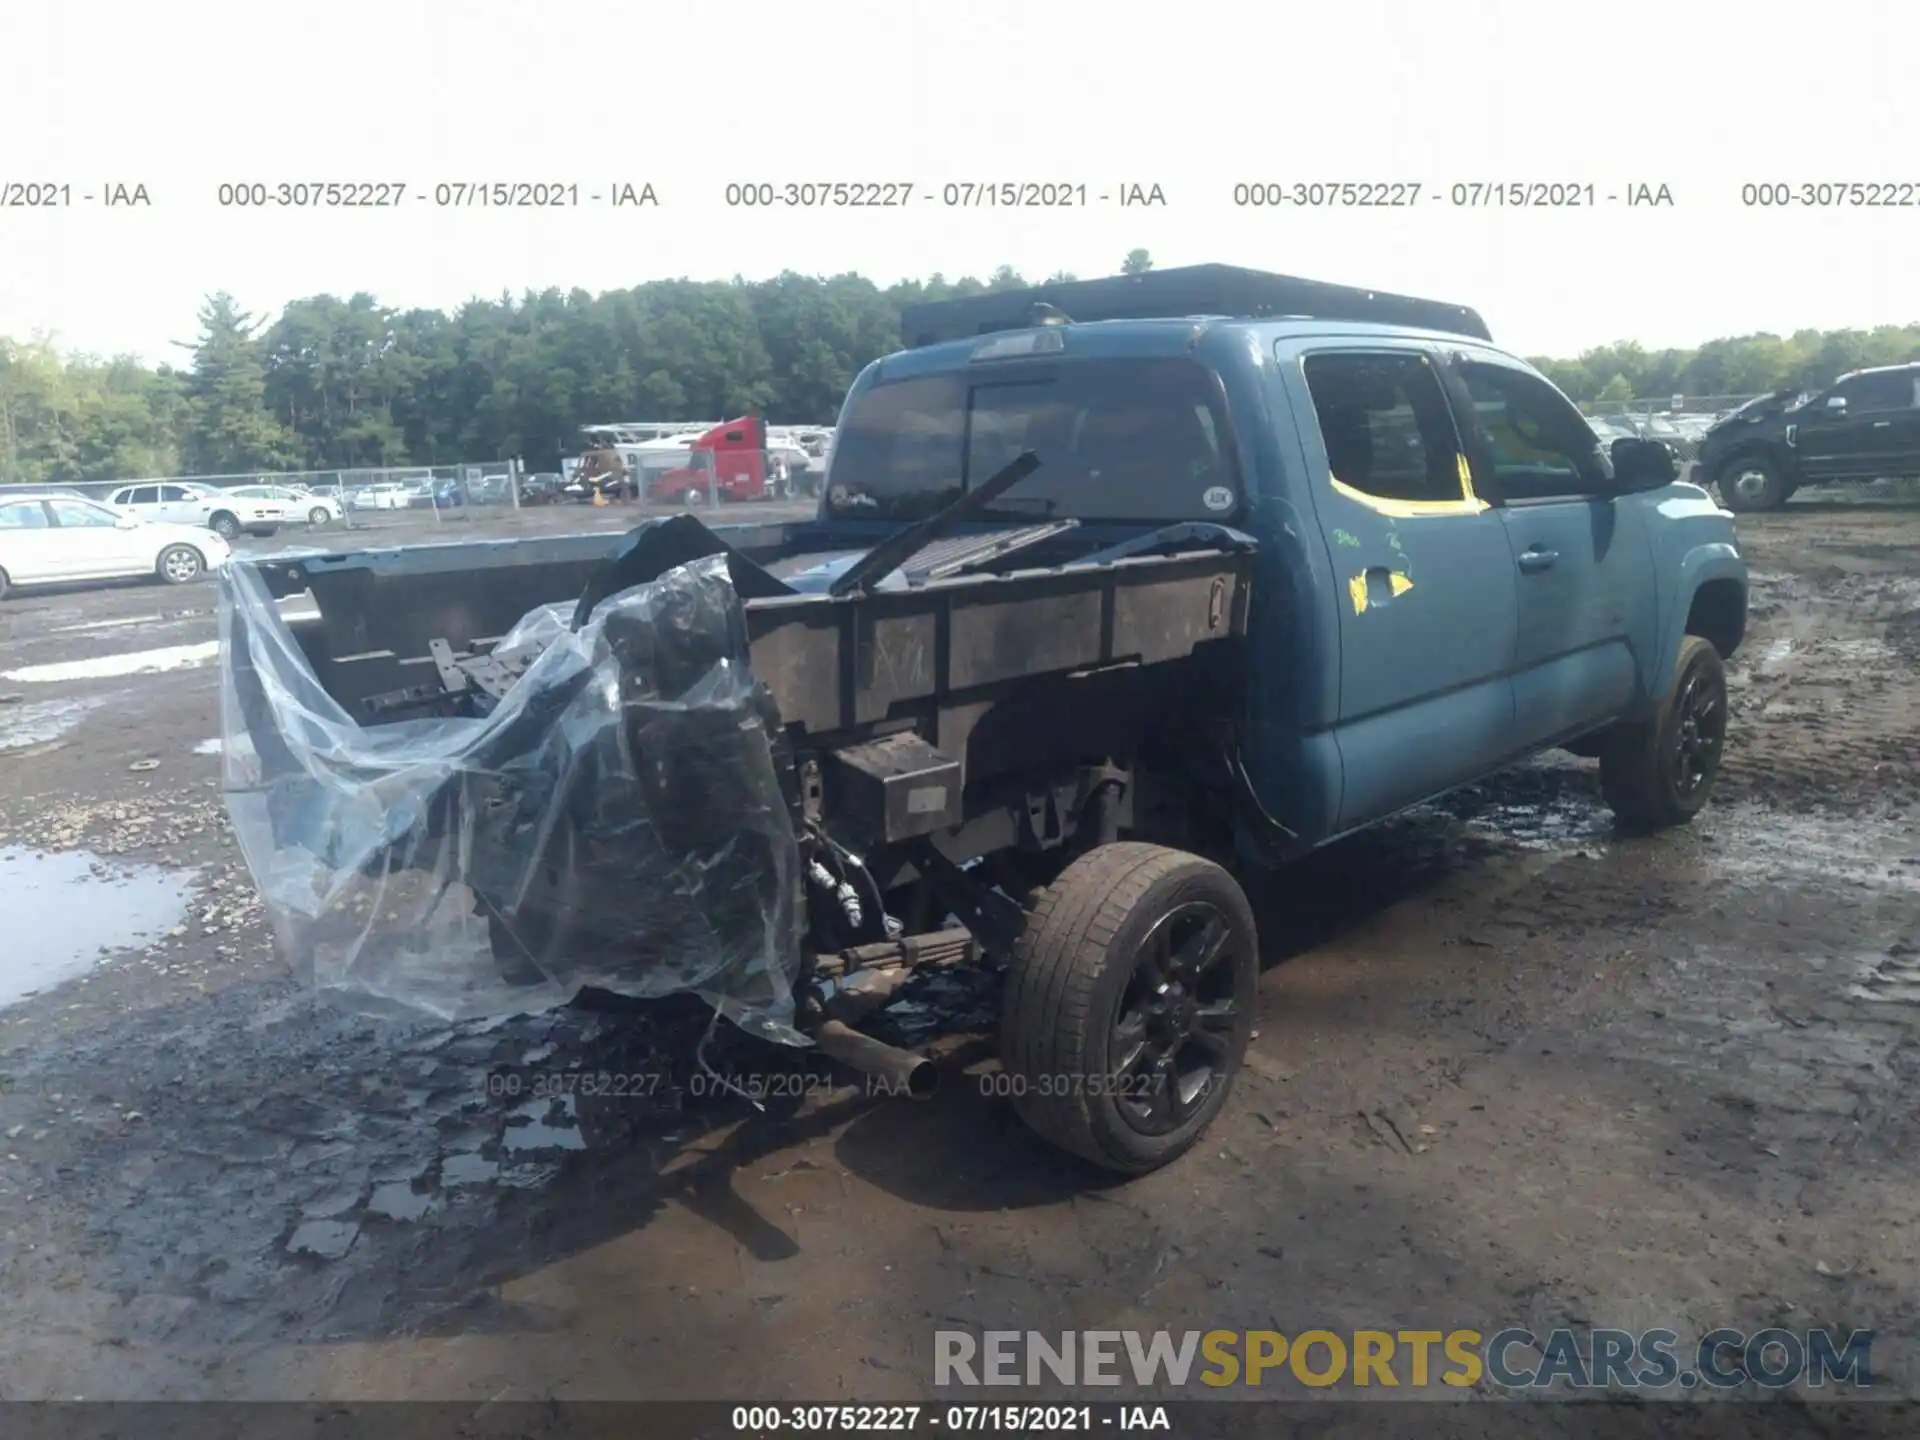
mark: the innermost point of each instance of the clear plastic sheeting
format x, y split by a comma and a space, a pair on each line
616, 821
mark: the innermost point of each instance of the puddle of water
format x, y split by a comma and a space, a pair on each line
45, 720
1773, 846
536, 1126
398, 1200
1569, 824
68, 910
1861, 649
134, 662
467, 1167
119, 624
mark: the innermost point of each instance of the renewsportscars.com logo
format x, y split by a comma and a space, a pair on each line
1514, 1358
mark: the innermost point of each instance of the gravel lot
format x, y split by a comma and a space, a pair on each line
1510, 1070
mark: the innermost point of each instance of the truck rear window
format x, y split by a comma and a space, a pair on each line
1143, 439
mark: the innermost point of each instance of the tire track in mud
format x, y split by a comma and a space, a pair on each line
1825, 691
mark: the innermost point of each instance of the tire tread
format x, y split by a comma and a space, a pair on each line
1058, 965
1630, 778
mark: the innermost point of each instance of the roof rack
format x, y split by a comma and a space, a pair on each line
1196, 290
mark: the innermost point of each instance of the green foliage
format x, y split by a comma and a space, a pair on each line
228, 425
1138, 262
1738, 365
349, 382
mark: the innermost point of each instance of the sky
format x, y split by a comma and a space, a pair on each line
1196, 98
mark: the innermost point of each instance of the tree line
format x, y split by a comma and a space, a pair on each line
335, 383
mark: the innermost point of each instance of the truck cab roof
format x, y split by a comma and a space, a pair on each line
1170, 335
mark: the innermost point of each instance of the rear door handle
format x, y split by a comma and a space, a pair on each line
1881, 424
1534, 561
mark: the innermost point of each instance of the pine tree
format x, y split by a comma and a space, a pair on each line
229, 427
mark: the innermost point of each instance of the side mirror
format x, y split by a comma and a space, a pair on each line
1837, 404
1642, 465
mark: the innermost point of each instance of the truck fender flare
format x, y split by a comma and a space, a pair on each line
1713, 563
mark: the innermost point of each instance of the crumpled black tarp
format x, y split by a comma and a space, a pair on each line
616, 822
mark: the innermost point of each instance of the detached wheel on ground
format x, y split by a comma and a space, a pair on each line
226, 526
1129, 1005
179, 564
1749, 485
1659, 774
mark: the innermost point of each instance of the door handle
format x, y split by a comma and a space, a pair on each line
1881, 424
1534, 561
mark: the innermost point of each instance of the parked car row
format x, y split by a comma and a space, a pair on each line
1682, 439
495, 489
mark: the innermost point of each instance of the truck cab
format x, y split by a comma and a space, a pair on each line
728, 462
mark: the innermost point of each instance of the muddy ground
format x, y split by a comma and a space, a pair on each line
1509, 1070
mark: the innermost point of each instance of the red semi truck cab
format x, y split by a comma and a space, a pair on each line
729, 462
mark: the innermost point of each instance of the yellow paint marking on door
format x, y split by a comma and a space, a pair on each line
1357, 589
1401, 584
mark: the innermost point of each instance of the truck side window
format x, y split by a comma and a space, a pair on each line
1878, 392
1386, 425
1539, 444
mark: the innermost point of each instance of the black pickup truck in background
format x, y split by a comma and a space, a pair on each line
1864, 426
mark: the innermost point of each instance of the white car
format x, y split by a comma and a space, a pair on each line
318, 509
187, 502
53, 539
387, 495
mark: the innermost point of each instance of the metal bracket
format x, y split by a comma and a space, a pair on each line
995, 920
461, 673
451, 675
1041, 828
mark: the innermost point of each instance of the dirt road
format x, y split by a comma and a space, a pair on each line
1509, 1070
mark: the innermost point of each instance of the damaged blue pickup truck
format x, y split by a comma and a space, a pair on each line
1117, 589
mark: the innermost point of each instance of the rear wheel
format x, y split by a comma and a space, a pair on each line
1659, 774
225, 525
179, 564
1750, 484
1129, 1005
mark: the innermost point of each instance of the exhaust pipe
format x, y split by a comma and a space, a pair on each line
901, 1071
